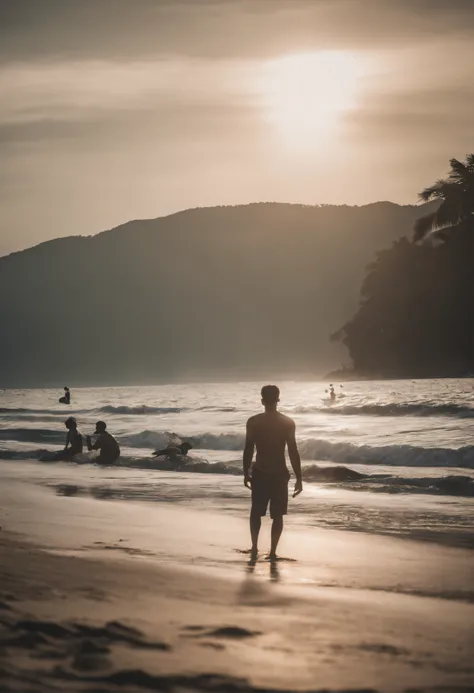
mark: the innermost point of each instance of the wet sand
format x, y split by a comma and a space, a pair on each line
107, 595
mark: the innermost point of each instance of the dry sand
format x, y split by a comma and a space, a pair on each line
104, 595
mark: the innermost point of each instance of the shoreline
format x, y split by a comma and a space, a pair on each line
106, 595
440, 520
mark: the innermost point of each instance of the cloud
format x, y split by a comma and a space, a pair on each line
110, 29
411, 117
172, 98
113, 109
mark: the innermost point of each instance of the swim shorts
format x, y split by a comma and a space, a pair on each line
270, 489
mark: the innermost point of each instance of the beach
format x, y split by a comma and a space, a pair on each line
135, 577
105, 595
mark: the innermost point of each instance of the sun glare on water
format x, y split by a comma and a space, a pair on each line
305, 94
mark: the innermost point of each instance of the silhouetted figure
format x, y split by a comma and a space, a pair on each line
172, 451
73, 441
332, 393
175, 453
67, 397
106, 443
270, 433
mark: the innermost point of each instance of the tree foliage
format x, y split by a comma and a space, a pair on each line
415, 317
456, 209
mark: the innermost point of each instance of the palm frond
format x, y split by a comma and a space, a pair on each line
447, 216
449, 213
442, 189
457, 202
424, 226
470, 162
434, 191
459, 171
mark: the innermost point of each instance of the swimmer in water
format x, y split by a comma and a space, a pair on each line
106, 443
332, 393
67, 397
176, 454
174, 451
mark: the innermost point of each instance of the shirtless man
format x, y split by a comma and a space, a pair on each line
73, 441
106, 443
270, 433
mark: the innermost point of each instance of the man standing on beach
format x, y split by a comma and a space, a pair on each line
270, 433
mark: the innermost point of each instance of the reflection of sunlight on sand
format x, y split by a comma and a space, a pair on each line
441, 519
356, 611
206, 540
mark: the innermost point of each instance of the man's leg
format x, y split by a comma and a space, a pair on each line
277, 529
255, 524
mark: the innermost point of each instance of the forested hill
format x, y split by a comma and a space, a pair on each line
223, 292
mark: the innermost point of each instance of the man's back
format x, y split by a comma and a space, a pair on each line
270, 432
75, 441
107, 444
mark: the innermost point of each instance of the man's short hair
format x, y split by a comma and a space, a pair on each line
270, 394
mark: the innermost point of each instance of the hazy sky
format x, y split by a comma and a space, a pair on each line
119, 109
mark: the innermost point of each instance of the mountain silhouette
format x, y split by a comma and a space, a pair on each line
222, 292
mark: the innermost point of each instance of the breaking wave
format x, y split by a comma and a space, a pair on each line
204, 441
139, 409
391, 455
393, 409
422, 409
319, 449
311, 449
344, 477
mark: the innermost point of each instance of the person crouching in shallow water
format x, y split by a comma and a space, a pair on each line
268, 479
106, 443
175, 453
67, 397
73, 441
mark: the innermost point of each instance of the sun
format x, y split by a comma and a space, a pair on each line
305, 94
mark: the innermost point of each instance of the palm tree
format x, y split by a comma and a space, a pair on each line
456, 211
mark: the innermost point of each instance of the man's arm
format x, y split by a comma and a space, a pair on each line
96, 446
294, 458
248, 452
67, 441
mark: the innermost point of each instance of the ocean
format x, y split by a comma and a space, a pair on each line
388, 457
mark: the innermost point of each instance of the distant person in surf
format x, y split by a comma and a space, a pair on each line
270, 433
175, 453
106, 443
67, 397
332, 393
73, 441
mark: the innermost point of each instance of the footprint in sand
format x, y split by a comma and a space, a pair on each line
231, 632
266, 557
